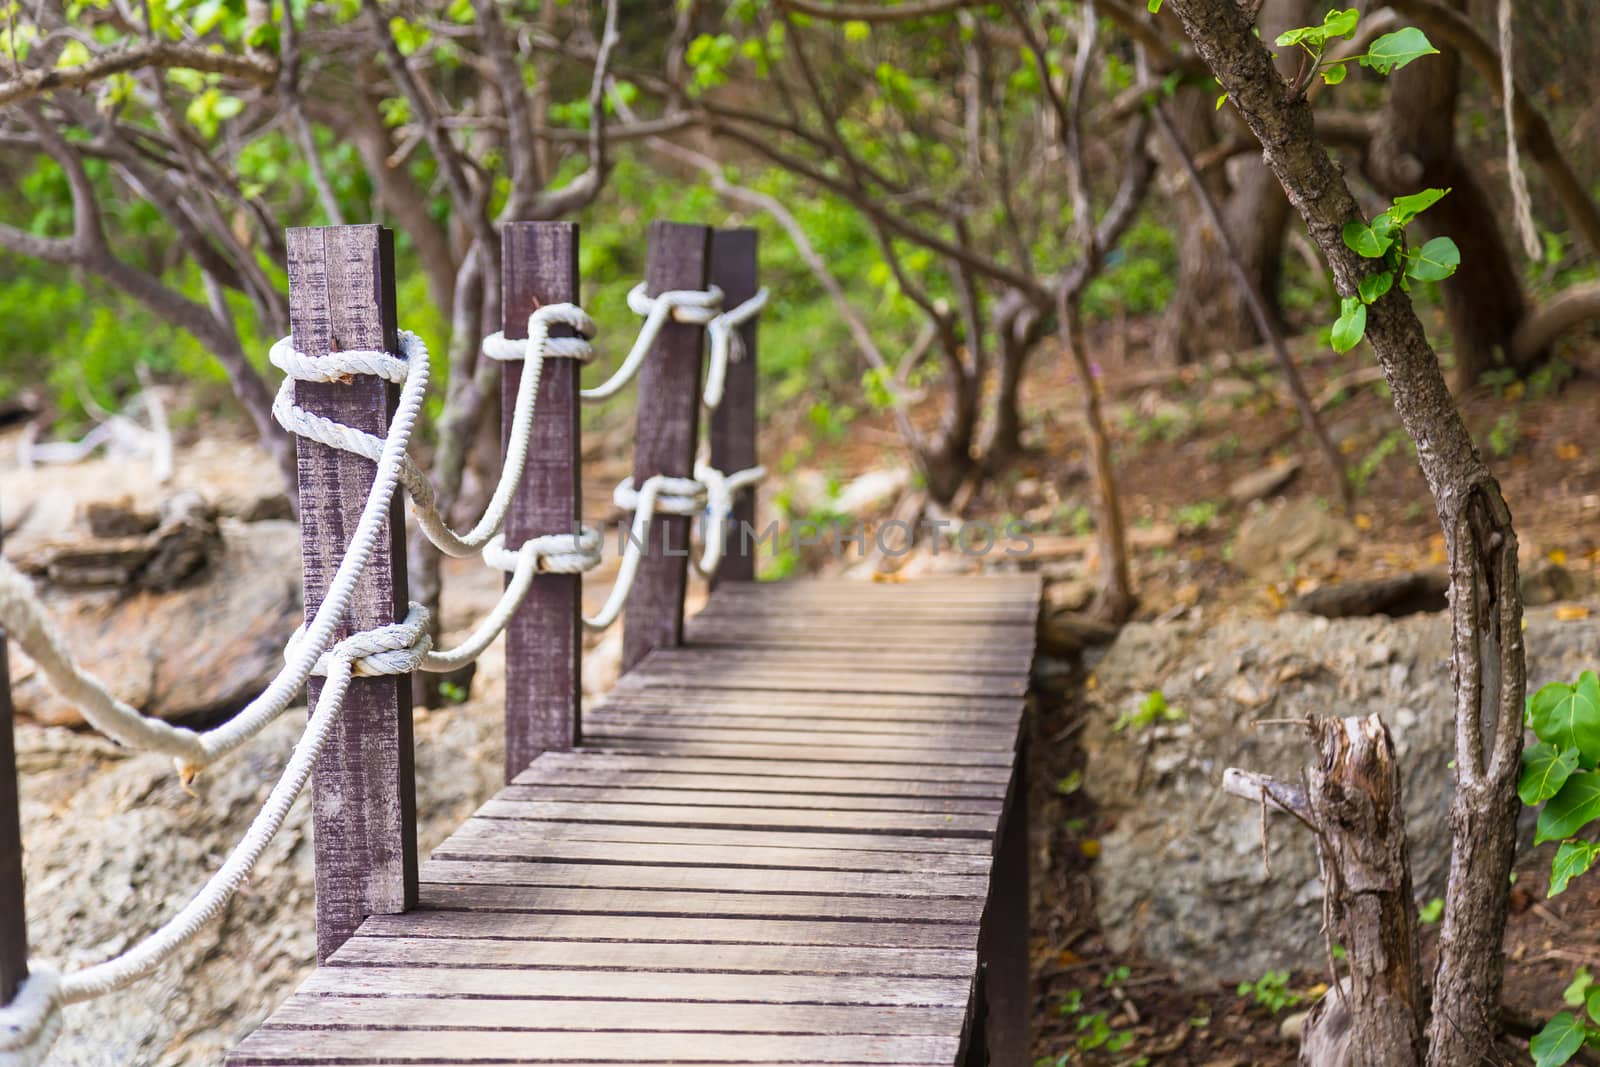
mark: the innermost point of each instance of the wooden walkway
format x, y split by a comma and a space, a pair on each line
775, 846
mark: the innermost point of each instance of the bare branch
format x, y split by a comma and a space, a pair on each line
910, 9
163, 54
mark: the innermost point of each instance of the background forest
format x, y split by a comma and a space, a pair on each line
1027, 263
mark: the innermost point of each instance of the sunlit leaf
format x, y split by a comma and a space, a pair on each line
1434, 261
1335, 73
1573, 858
1366, 241
1373, 286
1558, 1042
1394, 50
1568, 716
1352, 325
1407, 208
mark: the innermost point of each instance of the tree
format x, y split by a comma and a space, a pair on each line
1486, 608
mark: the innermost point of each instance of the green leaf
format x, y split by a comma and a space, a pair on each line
857, 31
1341, 23
1573, 858
1568, 716
1366, 241
1434, 261
1558, 1042
1545, 769
1154, 6
1407, 208
1394, 50
1579, 989
1223, 99
1335, 74
1306, 35
1374, 286
1594, 1006
1352, 325
1432, 911
1576, 806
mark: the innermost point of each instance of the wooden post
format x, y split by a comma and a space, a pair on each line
1003, 943
544, 643
669, 414
341, 298
13, 917
733, 423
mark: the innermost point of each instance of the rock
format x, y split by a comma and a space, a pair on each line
200, 651
873, 491
126, 549
1070, 595
1263, 483
1545, 582
1298, 533
113, 847
119, 518
1407, 594
1180, 876
1064, 632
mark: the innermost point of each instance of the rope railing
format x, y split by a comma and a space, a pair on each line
30, 1022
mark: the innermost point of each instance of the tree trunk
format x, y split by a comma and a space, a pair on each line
1414, 148
1208, 313
1018, 330
1485, 606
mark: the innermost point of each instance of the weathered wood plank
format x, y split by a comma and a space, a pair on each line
544, 641
825, 753
478, 828
699, 879
906, 718
1003, 662
627, 793
669, 903
790, 819
609, 728
889, 775
678, 257
844, 680
13, 915
515, 842
308, 1012
644, 772
733, 423
472, 954
273, 1046
943, 707
341, 298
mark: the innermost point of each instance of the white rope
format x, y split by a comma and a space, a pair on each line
25, 618
720, 491
30, 1023
691, 306
726, 344
1521, 199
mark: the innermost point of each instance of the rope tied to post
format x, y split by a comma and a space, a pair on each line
30, 1024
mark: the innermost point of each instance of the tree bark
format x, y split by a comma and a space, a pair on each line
1414, 148
1486, 609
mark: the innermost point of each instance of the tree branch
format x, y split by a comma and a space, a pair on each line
256, 70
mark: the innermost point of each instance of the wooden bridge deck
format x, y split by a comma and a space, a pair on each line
774, 847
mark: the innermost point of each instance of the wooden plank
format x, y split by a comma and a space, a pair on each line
484, 830
522, 925
670, 903
889, 775
844, 680
596, 984
733, 423
997, 733
645, 959
664, 443
307, 1012
13, 914
699, 879
1004, 943
647, 773
944, 706
906, 717
610, 727
680, 816
626, 793
273, 1046
544, 641
514, 843
869, 758
341, 298
1004, 662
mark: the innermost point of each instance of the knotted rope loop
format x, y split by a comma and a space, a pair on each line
547, 554
720, 490
338, 366
726, 344
397, 648
540, 343
692, 306
30, 1023
661, 495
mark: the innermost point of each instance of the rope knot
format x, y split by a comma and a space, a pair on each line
550, 553
539, 344
397, 648
661, 495
30, 1023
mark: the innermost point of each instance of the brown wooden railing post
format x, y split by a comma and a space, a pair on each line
544, 643
13, 917
341, 298
669, 414
733, 423
1003, 942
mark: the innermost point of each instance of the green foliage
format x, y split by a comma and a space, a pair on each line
1386, 55
1271, 991
1432, 911
1383, 239
1152, 710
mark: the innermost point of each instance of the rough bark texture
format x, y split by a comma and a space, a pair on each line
1414, 148
1486, 609
1355, 803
